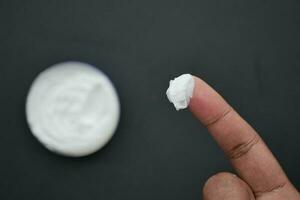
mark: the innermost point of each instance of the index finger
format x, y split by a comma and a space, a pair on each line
246, 150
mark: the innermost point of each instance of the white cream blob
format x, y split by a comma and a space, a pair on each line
181, 90
73, 109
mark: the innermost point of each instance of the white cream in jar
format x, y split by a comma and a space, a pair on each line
73, 109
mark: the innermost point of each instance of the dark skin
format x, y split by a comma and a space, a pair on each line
259, 175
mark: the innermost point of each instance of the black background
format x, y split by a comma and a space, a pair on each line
247, 49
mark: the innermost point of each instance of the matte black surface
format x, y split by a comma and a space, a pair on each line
247, 49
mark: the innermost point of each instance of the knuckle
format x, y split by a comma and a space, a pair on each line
273, 189
217, 118
243, 148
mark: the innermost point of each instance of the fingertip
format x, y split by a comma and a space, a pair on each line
206, 104
225, 186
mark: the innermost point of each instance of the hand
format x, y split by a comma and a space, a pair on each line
259, 174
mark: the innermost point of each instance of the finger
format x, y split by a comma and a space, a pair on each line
247, 152
226, 186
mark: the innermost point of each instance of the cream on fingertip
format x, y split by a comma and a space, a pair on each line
181, 90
